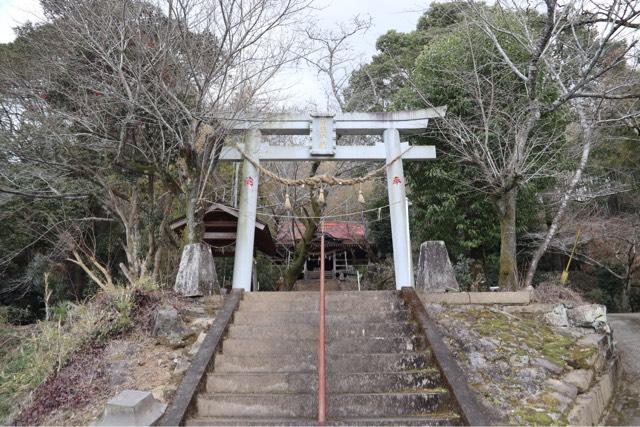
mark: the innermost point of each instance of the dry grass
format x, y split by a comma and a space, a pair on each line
55, 372
553, 293
39, 355
27, 363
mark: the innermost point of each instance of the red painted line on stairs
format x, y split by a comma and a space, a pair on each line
322, 402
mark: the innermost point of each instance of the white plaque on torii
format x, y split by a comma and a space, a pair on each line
324, 130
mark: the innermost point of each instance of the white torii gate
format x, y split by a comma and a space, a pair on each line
324, 130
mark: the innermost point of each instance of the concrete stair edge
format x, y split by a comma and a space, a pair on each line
439, 419
304, 405
295, 363
309, 330
346, 345
306, 382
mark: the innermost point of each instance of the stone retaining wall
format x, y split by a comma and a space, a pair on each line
527, 366
590, 407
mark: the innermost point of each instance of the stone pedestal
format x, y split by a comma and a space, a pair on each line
132, 408
435, 273
197, 272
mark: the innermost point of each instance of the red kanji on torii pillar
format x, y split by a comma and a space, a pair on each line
324, 130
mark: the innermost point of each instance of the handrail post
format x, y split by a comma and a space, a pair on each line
322, 402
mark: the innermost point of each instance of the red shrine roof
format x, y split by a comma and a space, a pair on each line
345, 231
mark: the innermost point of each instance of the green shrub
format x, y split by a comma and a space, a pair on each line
462, 272
27, 365
15, 315
268, 273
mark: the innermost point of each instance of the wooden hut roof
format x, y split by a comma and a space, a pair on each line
221, 224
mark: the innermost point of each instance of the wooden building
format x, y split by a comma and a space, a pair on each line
346, 247
221, 223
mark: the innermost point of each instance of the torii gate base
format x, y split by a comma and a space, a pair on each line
325, 129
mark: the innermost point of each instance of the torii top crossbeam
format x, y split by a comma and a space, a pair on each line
324, 129
356, 123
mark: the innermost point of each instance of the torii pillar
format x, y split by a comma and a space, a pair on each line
246, 229
398, 211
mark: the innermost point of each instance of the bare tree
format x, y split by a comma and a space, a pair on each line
578, 49
153, 88
611, 243
332, 57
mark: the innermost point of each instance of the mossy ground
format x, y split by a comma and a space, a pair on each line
521, 403
530, 416
525, 335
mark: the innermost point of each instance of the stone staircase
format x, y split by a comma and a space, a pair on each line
379, 371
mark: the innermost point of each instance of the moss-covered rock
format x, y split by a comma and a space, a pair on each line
499, 352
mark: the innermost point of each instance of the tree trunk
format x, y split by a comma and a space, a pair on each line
301, 252
127, 208
195, 217
625, 304
506, 207
302, 248
587, 129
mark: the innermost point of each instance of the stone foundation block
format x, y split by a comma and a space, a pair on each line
132, 408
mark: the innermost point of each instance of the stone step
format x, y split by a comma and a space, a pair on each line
314, 295
307, 382
339, 363
332, 285
242, 421
303, 331
440, 419
233, 346
348, 305
287, 317
338, 405
445, 418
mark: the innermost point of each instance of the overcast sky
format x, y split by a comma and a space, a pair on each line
300, 86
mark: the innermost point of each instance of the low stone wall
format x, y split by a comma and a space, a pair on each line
590, 407
520, 297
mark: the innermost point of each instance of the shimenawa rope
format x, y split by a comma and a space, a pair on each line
319, 180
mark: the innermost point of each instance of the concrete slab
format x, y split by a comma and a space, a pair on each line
346, 305
339, 405
520, 297
255, 346
307, 382
333, 318
441, 419
487, 298
391, 362
132, 408
445, 297
305, 331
